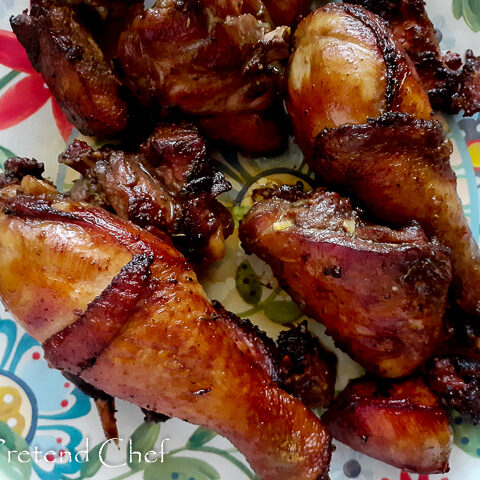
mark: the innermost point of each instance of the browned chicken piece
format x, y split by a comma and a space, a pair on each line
74, 68
298, 362
204, 58
17, 168
262, 133
401, 423
381, 293
123, 310
397, 165
399, 168
457, 381
310, 370
451, 88
287, 12
346, 67
169, 186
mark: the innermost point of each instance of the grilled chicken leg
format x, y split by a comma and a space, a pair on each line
346, 67
123, 310
396, 165
170, 185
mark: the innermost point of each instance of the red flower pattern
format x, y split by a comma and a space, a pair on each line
408, 476
28, 95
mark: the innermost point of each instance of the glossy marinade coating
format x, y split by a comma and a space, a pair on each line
175, 353
381, 293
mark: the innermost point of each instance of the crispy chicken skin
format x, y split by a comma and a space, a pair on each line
381, 293
399, 168
457, 381
346, 67
73, 66
204, 58
123, 310
298, 362
450, 87
402, 423
170, 186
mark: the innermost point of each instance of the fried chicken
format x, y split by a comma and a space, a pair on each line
204, 58
123, 310
386, 153
219, 62
62, 49
169, 186
400, 423
381, 293
346, 67
262, 133
287, 12
457, 381
399, 168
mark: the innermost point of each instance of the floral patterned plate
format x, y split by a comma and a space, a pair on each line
50, 431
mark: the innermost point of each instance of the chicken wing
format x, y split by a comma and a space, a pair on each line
346, 67
402, 423
170, 186
450, 87
73, 66
381, 293
123, 310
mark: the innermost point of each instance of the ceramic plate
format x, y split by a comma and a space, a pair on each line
55, 425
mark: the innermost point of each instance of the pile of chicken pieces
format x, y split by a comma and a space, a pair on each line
104, 276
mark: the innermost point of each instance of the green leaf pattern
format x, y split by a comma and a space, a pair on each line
143, 440
11, 468
470, 11
250, 288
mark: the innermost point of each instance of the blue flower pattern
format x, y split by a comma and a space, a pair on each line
46, 400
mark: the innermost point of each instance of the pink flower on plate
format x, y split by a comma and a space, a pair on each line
28, 95
411, 476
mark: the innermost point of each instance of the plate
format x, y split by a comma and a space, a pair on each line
53, 426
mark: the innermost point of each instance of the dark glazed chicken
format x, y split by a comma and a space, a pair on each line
309, 371
396, 165
381, 293
61, 48
451, 85
220, 62
399, 168
457, 381
169, 186
205, 58
400, 423
346, 67
122, 309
